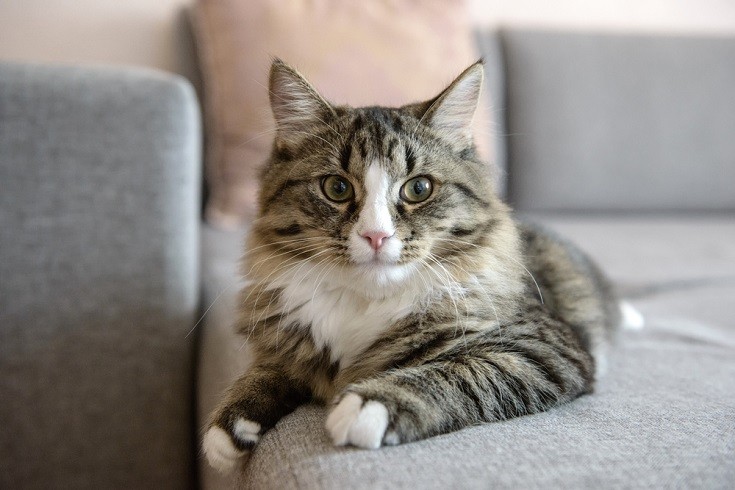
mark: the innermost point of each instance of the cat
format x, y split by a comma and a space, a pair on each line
388, 279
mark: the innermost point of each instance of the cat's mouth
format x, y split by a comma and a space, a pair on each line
382, 260
381, 272
378, 260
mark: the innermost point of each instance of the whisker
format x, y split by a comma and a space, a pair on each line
449, 285
280, 252
255, 137
280, 242
475, 281
506, 255
286, 264
210, 307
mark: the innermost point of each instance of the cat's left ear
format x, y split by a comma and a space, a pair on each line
295, 103
452, 111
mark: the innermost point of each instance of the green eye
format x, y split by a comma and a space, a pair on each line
337, 189
416, 190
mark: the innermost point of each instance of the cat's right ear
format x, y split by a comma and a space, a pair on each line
296, 105
452, 111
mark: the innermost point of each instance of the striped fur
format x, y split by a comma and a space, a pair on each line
470, 317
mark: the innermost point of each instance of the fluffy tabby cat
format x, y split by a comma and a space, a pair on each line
387, 279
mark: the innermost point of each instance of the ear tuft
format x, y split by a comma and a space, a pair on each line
451, 113
294, 102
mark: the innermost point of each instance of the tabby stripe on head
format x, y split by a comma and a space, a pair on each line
290, 230
283, 188
363, 150
283, 153
469, 193
351, 209
391, 146
467, 153
379, 131
457, 231
377, 115
344, 157
397, 124
410, 160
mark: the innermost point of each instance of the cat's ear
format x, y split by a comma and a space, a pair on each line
296, 105
452, 111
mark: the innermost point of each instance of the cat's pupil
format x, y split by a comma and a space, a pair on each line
419, 187
339, 187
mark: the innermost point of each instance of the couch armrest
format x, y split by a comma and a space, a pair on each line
99, 276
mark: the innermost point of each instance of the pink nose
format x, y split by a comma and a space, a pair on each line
375, 238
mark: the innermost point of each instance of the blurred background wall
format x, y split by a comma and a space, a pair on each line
134, 32
680, 16
152, 32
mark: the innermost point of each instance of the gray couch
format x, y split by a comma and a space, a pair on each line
622, 143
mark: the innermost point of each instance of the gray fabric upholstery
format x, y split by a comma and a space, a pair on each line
661, 418
620, 122
99, 279
223, 354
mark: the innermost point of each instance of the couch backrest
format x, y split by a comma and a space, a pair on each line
614, 122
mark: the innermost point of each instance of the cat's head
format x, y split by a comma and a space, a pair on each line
379, 195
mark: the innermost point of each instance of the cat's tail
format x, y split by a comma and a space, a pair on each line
631, 318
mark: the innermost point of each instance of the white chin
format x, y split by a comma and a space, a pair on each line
384, 274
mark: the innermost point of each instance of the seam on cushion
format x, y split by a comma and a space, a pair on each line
643, 291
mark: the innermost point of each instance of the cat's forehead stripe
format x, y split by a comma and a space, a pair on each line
410, 160
344, 158
374, 133
392, 142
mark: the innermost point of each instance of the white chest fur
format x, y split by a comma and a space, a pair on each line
341, 318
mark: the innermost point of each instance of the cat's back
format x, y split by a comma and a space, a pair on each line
573, 287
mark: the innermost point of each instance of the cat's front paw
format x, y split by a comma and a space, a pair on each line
225, 450
360, 423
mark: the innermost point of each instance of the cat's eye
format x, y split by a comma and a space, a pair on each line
337, 189
417, 190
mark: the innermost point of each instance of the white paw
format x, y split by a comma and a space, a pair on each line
247, 430
351, 422
221, 452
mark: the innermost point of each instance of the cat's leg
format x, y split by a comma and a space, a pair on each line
252, 405
493, 379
